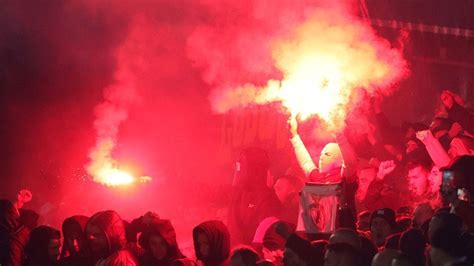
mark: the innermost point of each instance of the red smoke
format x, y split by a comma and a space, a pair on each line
311, 63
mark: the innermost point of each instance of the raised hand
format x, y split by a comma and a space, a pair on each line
24, 196
293, 125
386, 168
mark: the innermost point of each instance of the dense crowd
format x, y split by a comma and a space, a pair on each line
403, 197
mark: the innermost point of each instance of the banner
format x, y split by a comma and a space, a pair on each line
318, 208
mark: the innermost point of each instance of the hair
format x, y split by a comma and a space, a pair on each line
36, 250
447, 237
248, 255
343, 249
412, 243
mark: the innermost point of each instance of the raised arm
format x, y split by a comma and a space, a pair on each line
302, 155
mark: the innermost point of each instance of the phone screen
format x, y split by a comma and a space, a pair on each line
448, 180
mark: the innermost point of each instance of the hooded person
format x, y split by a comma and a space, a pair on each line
212, 243
75, 250
252, 197
268, 242
159, 241
105, 233
43, 247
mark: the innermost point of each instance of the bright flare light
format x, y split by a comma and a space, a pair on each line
322, 62
104, 169
116, 177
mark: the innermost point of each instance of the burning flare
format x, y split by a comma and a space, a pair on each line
322, 62
110, 114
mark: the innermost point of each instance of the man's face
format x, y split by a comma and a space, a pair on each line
53, 249
203, 243
330, 158
158, 247
418, 180
282, 189
74, 243
366, 176
411, 146
97, 239
380, 229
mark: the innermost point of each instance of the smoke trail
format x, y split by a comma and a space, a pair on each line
111, 113
320, 59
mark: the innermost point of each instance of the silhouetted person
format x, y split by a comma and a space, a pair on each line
75, 250
252, 195
212, 243
159, 242
43, 247
105, 232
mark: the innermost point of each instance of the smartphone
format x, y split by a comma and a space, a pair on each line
448, 181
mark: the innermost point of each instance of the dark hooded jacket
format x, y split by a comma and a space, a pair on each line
114, 229
75, 227
13, 237
165, 230
219, 243
252, 199
37, 248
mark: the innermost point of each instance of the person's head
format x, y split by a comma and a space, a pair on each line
273, 244
211, 242
363, 221
74, 235
385, 257
382, 224
423, 212
403, 260
265, 262
251, 168
244, 256
105, 233
285, 186
341, 254
412, 145
462, 168
366, 175
412, 243
330, 158
445, 231
159, 239
319, 251
418, 177
347, 236
44, 245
